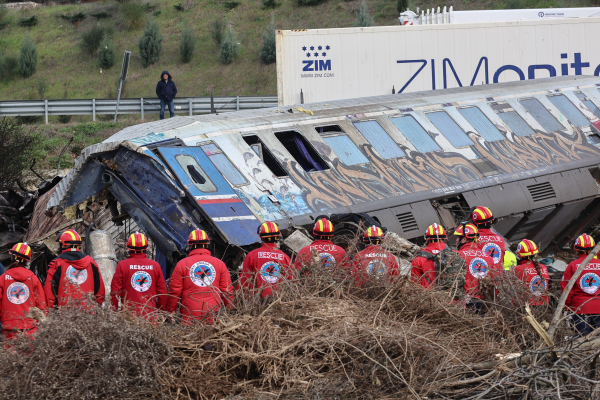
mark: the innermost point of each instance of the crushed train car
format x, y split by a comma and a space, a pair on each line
529, 150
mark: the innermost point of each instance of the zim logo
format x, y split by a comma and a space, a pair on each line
270, 272
315, 58
589, 283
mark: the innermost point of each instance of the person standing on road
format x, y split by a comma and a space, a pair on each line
166, 92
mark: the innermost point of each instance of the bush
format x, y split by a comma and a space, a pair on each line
363, 18
268, 51
106, 53
134, 14
514, 5
402, 6
308, 3
217, 29
150, 44
3, 12
101, 15
229, 47
230, 5
16, 146
33, 21
41, 86
187, 44
28, 59
270, 3
90, 40
3, 25
75, 18
9, 66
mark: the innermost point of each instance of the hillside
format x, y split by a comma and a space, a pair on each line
68, 72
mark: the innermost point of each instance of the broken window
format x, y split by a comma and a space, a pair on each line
302, 151
542, 115
512, 119
341, 144
196, 174
588, 103
216, 155
569, 110
415, 133
449, 128
481, 123
379, 139
265, 155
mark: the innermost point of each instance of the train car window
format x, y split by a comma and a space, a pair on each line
302, 151
265, 155
569, 110
449, 128
542, 115
222, 162
481, 123
588, 103
512, 119
379, 139
196, 173
415, 133
343, 146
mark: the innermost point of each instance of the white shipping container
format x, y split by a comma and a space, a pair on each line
334, 64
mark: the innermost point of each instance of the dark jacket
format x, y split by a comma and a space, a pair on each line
166, 90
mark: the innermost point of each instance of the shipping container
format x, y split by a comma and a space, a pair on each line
320, 65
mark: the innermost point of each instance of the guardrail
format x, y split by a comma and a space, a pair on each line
142, 106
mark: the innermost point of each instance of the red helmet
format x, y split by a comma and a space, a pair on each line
374, 232
584, 242
467, 230
21, 251
268, 230
526, 248
481, 215
323, 227
70, 238
137, 241
198, 236
435, 231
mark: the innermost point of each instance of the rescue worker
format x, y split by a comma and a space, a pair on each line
374, 261
138, 281
72, 276
583, 298
264, 267
510, 260
478, 264
331, 254
200, 281
20, 290
423, 266
532, 273
489, 240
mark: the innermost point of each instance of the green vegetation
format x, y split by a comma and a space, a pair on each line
29, 58
134, 14
150, 44
267, 51
106, 53
187, 44
230, 47
402, 6
75, 18
363, 18
31, 21
16, 150
217, 30
90, 40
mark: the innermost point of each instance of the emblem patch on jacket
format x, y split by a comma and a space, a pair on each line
537, 285
478, 268
494, 251
203, 273
589, 283
376, 267
327, 260
141, 281
270, 272
17, 293
76, 276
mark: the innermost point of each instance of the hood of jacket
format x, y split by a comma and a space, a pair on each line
19, 274
76, 258
165, 72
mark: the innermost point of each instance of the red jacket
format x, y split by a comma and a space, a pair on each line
71, 277
20, 289
331, 255
264, 267
423, 270
583, 297
140, 281
538, 285
479, 266
374, 261
492, 244
202, 282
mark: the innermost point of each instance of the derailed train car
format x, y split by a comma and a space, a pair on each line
529, 150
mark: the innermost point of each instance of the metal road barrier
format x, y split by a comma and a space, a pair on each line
187, 105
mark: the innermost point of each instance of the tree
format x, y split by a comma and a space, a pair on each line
106, 53
268, 51
28, 59
402, 6
363, 18
150, 44
187, 43
16, 148
229, 47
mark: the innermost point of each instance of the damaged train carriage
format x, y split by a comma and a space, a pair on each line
528, 150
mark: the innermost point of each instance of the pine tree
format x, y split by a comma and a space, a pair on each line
229, 47
28, 59
106, 53
187, 44
150, 44
268, 51
402, 6
363, 18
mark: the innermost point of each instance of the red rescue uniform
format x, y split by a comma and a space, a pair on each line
479, 265
20, 289
422, 269
71, 277
538, 285
492, 244
140, 283
203, 284
331, 254
263, 268
582, 299
374, 262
